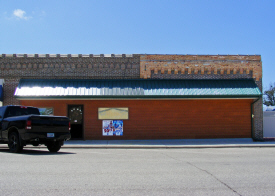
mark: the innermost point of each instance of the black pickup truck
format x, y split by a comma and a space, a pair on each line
21, 125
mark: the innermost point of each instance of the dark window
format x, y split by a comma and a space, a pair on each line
20, 111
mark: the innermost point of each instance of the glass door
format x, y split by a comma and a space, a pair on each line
75, 114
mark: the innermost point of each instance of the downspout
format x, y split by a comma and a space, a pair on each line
252, 119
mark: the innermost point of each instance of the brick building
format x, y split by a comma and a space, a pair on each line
141, 96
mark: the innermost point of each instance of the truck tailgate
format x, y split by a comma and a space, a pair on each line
52, 124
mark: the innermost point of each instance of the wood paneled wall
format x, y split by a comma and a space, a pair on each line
164, 119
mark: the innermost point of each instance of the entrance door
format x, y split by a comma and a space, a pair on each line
75, 114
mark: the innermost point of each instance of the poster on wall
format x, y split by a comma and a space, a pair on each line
118, 125
112, 127
107, 128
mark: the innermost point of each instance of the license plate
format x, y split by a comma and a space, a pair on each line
50, 134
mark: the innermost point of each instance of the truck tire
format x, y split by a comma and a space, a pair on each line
14, 143
54, 146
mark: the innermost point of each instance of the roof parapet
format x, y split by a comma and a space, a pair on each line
63, 55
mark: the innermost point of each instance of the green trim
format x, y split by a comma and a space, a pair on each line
145, 97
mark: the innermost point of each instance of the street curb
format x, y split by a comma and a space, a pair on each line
160, 146
151, 146
168, 146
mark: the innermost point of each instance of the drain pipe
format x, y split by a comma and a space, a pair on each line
252, 118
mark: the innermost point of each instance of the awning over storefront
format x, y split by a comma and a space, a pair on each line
132, 89
1, 93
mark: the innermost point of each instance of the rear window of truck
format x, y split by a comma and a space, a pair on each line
20, 111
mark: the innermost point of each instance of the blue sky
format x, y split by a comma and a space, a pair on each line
140, 26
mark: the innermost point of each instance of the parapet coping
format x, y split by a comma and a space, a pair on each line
104, 55
63, 55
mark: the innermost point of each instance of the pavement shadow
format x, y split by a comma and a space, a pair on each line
36, 152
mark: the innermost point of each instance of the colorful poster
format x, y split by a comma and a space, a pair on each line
118, 125
107, 128
112, 127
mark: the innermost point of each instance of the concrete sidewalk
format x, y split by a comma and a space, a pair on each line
168, 143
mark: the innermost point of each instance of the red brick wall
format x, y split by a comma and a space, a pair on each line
164, 119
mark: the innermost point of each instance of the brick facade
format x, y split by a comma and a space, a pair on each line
198, 65
75, 67
15, 66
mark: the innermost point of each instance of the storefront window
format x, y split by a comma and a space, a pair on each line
46, 111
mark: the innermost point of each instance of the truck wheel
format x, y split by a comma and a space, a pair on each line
54, 146
14, 143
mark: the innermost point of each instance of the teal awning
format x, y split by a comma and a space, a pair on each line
127, 89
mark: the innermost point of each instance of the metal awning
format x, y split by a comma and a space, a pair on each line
132, 89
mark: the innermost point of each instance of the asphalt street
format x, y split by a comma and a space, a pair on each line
84, 171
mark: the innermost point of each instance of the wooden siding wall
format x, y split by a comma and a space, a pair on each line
164, 119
